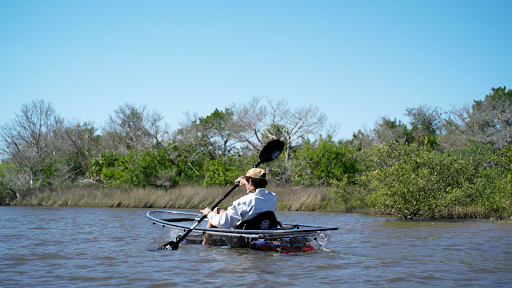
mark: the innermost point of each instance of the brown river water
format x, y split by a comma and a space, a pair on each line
103, 247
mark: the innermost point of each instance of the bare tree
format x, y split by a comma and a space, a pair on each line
132, 127
457, 127
29, 139
387, 130
275, 120
302, 123
80, 143
253, 118
491, 119
362, 139
488, 121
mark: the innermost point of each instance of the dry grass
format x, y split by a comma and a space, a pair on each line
290, 198
197, 197
306, 199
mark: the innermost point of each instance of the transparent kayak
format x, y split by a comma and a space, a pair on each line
291, 237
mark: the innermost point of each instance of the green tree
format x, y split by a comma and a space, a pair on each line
7, 192
220, 131
426, 124
221, 171
324, 161
147, 167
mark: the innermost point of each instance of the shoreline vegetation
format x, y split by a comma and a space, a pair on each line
440, 165
306, 199
183, 197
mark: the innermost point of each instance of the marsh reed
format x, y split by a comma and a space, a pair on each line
185, 197
312, 198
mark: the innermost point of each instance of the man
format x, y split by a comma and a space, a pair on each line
257, 201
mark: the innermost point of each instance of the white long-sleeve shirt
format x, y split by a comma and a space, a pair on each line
245, 208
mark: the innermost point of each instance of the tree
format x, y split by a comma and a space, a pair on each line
362, 139
276, 120
10, 181
221, 171
254, 120
29, 140
492, 118
324, 162
487, 121
426, 122
387, 130
132, 127
218, 131
80, 145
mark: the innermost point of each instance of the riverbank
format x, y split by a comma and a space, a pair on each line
290, 198
307, 198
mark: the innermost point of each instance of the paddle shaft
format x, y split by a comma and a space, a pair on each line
178, 241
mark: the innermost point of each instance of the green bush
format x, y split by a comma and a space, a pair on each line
324, 162
142, 168
6, 194
421, 182
220, 172
493, 187
413, 181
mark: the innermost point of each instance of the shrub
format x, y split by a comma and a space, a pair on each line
413, 181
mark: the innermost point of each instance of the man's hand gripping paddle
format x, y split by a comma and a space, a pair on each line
267, 154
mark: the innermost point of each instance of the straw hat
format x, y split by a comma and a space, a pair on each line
256, 173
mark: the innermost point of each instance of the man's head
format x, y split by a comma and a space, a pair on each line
257, 176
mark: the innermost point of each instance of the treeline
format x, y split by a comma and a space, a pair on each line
41, 150
439, 165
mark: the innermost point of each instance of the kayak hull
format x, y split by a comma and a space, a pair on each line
291, 237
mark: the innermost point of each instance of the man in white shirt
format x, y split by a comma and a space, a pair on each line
256, 201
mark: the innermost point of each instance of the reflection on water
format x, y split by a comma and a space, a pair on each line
83, 247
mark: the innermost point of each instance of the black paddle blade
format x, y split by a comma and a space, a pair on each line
271, 151
171, 245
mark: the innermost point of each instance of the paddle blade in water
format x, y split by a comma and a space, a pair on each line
169, 246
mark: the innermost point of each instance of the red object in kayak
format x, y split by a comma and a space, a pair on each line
285, 245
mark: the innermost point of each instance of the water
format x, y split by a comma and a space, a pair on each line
90, 247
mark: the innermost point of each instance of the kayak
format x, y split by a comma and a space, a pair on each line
290, 237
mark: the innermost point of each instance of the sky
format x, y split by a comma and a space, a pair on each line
355, 60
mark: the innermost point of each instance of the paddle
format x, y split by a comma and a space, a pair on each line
267, 154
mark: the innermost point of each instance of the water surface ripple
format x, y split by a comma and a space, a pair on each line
84, 247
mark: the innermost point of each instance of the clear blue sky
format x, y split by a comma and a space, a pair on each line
355, 60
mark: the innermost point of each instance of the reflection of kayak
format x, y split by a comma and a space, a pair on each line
288, 238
